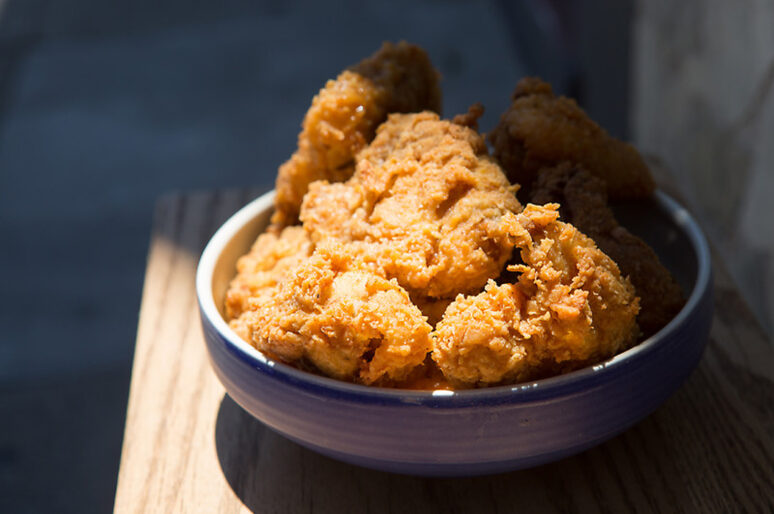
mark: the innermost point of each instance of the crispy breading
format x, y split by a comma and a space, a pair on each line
583, 200
540, 130
570, 307
425, 202
270, 258
344, 115
336, 314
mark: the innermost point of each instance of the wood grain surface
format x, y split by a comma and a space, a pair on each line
189, 448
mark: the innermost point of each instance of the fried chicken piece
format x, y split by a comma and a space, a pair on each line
336, 314
344, 115
583, 200
540, 130
270, 258
425, 203
570, 307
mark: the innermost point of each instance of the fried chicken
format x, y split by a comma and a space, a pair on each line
337, 314
425, 203
540, 130
389, 281
583, 200
344, 115
270, 258
570, 307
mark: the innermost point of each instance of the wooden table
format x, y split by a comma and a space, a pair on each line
189, 448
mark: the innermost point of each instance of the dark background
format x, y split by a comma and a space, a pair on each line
104, 106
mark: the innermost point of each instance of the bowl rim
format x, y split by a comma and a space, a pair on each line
546, 388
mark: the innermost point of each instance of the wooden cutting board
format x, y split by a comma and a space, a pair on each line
189, 448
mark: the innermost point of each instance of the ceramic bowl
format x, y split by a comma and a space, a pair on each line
469, 432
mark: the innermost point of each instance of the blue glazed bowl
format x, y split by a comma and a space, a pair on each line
470, 432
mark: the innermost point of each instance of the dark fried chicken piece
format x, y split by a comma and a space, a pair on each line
344, 115
584, 204
541, 130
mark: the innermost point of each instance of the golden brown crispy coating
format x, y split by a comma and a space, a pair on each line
338, 315
426, 203
540, 130
344, 115
269, 260
583, 200
389, 252
569, 307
